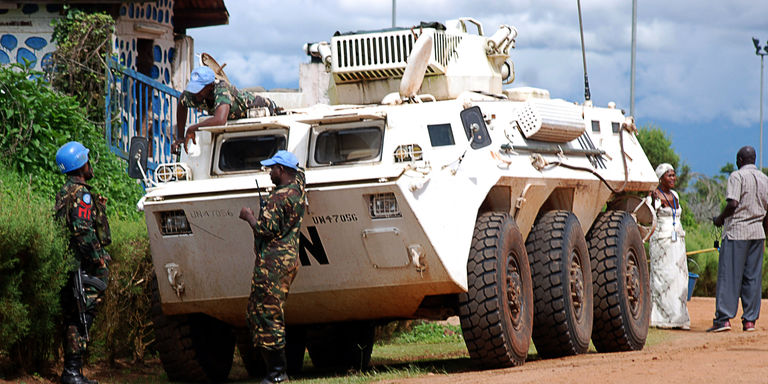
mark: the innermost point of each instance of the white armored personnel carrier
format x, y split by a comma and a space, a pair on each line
433, 191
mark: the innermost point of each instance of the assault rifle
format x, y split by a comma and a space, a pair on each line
79, 292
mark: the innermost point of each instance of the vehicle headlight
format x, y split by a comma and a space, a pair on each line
172, 172
383, 205
174, 223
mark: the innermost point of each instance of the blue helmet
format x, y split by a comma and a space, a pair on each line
283, 158
71, 156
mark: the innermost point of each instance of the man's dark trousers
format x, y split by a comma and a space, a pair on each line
739, 274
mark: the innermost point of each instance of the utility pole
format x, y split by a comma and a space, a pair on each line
394, 7
632, 69
762, 54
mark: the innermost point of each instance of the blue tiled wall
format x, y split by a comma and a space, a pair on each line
27, 34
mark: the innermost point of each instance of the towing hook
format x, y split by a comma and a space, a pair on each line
418, 258
174, 278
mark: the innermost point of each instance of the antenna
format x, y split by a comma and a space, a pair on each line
587, 96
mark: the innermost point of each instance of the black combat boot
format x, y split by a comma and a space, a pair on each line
277, 365
72, 373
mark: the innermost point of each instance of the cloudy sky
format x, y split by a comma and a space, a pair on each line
697, 75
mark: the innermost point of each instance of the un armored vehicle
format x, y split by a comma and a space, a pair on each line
433, 191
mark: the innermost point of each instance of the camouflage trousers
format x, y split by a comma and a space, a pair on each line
272, 277
74, 332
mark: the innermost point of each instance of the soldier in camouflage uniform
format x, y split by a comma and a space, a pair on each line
83, 214
276, 239
218, 99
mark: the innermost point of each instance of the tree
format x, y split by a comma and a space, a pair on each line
78, 64
658, 148
727, 169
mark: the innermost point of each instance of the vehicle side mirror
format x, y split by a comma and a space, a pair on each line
475, 128
137, 157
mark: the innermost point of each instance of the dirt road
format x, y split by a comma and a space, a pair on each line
683, 357
673, 357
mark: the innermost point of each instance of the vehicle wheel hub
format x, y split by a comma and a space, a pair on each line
514, 291
577, 285
634, 288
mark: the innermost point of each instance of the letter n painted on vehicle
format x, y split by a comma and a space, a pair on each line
314, 247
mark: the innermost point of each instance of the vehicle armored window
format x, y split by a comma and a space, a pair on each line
440, 135
339, 144
244, 151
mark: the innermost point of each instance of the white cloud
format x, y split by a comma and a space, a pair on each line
695, 61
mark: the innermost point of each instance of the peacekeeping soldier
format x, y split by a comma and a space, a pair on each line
83, 214
218, 99
276, 239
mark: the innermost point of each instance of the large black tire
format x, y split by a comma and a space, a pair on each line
341, 346
622, 306
562, 285
253, 361
193, 348
497, 310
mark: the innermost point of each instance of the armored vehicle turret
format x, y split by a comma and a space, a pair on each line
433, 191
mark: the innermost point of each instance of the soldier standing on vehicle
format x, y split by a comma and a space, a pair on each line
219, 99
83, 214
276, 244
740, 267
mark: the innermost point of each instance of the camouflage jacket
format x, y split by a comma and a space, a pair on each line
85, 218
276, 232
224, 93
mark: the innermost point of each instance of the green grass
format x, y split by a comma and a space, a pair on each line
428, 333
398, 353
658, 336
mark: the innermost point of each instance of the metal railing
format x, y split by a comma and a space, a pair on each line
137, 105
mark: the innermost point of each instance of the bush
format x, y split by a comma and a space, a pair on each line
35, 121
705, 264
123, 327
34, 259
82, 42
33, 266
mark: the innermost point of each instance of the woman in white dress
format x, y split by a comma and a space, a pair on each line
669, 270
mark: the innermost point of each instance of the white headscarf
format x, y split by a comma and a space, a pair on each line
662, 169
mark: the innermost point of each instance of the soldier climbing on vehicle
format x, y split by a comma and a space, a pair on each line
219, 99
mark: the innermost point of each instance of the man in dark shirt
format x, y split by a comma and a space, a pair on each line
219, 99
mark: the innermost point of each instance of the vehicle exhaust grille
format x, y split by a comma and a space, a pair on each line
375, 56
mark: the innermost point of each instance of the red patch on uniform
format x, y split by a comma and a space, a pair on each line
84, 211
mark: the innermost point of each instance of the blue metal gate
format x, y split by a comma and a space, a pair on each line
140, 106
